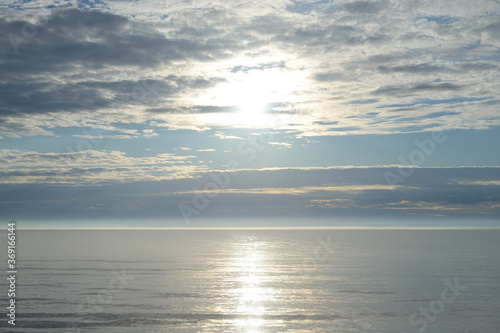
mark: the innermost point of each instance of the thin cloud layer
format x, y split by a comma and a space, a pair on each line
90, 167
289, 192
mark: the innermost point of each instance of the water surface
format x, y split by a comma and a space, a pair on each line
256, 281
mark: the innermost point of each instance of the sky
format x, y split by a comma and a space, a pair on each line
189, 113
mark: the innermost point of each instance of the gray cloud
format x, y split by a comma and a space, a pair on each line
313, 192
94, 63
347, 67
365, 6
93, 39
415, 69
328, 77
201, 109
411, 90
76, 46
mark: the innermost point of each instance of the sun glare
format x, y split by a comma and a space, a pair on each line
252, 92
250, 290
252, 96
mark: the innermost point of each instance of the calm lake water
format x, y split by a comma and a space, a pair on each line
445, 281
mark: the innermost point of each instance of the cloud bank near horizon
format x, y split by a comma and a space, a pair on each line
354, 192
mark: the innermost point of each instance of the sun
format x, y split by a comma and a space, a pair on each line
250, 97
252, 92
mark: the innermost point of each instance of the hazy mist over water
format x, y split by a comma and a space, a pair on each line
444, 281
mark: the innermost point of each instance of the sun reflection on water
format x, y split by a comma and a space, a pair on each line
251, 291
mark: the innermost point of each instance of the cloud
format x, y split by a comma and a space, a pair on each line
414, 69
101, 137
222, 135
280, 145
412, 90
480, 183
19, 158
131, 71
483, 208
368, 7
94, 39
88, 65
194, 109
152, 192
90, 167
305, 190
125, 64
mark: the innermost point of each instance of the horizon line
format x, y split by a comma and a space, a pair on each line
266, 228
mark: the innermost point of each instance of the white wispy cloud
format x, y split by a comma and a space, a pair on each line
14, 158
91, 167
281, 144
221, 135
296, 191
